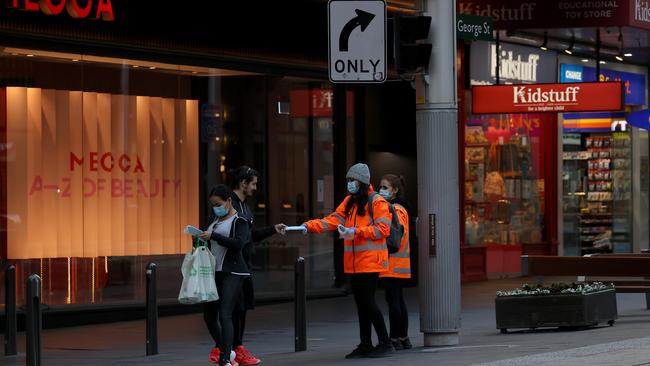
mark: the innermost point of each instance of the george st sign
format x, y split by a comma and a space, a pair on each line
473, 27
357, 41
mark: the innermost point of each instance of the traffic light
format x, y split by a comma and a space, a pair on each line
409, 50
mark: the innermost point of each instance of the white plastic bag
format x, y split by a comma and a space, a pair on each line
198, 277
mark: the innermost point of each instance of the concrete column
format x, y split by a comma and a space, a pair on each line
438, 185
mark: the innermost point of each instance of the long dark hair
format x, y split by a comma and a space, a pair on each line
243, 173
396, 181
360, 199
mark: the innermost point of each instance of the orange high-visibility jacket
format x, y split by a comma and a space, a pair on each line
367, 252
399, 263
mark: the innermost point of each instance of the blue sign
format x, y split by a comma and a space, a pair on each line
634, 84
640, 119
571, 73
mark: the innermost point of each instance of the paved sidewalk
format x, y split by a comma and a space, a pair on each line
332, 332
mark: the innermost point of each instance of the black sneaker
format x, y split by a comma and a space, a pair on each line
397, 344
406, 343
382, 350
360, 352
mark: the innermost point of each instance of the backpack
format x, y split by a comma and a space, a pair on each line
394, 239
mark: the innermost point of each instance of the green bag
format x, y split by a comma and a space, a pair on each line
198, 242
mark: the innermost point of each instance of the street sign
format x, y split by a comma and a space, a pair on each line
473, 27
357, 41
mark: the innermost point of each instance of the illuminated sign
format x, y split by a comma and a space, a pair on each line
90, 9
535, 98
97, 174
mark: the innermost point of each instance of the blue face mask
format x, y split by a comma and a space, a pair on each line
353, 187
385, 193
220, 211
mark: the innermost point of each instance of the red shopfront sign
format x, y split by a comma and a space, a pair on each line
316, 103
550, 98
521, 14
88, 9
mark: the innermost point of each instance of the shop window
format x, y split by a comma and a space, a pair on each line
504, 179
105, 160
96, 174
596, 184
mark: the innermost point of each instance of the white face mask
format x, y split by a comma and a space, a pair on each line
385, 193
353, 187
220, 211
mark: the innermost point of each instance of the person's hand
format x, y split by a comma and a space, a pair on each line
206, 235
346, 233
304, 231
280, 229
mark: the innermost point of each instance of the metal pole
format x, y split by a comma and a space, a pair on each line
152, 311
10, 311
300, 305
33, 321
498, 58
438, 184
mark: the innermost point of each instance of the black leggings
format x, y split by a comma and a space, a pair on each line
218, 314
239, 323
246, 302
364, 286
397, 312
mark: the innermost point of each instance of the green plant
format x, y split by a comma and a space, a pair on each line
557, 288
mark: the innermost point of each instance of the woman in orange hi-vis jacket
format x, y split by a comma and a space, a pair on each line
399, 264
365, 255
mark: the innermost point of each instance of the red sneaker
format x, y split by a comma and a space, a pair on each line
245, 358
214, 355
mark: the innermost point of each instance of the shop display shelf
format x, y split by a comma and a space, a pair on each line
596, 222
591, 250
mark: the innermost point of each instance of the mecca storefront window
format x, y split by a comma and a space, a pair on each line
105, 160
99, 169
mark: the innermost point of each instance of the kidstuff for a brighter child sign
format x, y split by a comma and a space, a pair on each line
552, 98
94, 174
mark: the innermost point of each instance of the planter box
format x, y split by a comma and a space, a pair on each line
562, 310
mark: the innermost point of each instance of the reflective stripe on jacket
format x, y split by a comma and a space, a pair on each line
399, 263
367, 252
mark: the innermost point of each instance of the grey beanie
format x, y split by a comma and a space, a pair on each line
359, 172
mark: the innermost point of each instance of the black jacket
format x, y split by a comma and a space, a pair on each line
239, 236
256, 235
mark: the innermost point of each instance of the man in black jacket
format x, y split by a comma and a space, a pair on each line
244, 186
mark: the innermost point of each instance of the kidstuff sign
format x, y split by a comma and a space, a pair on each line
514, 14
79, 9
536, 98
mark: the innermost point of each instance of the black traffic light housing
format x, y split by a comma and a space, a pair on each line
410, 52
